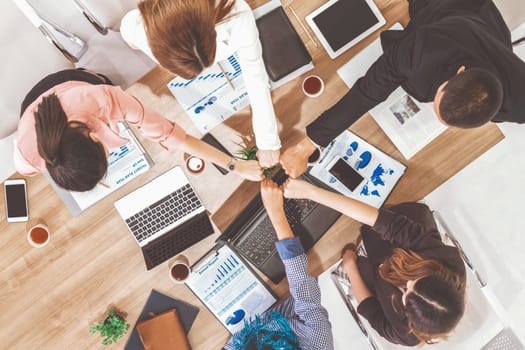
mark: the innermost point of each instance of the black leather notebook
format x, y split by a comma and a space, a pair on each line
283, 50
159, 303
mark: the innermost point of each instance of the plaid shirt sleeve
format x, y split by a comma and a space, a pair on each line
310, 320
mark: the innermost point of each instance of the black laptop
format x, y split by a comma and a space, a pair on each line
252, 235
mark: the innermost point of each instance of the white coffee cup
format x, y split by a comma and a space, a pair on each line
313, 86
38, 235
195, 164
179, 269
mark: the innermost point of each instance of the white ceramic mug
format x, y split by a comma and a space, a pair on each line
38, 235
179, 269
313, 86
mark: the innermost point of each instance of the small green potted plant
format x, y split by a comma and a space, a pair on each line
112, 328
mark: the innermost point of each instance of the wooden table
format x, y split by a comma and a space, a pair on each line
51, 296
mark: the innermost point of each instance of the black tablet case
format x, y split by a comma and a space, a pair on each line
158, 303
283, 50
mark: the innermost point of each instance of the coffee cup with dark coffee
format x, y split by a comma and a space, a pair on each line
179, 269
38, 234
313, 86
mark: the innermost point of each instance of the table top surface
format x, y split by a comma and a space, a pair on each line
51, 295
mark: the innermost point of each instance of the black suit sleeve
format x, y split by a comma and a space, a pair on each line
402, 231
383, 77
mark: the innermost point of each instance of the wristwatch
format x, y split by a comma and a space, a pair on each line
231, 165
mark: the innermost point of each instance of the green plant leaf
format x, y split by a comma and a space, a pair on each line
112, 328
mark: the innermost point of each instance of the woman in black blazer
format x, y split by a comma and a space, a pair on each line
410, 286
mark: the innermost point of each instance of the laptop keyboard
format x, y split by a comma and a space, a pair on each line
177, 240
259, 244
297, 210
163, 213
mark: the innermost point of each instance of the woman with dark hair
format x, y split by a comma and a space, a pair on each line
187, 36
70, 119
409, 285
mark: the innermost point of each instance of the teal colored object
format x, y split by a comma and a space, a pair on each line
269, 331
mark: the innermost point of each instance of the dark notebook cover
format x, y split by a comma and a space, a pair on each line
283, 50
158, 303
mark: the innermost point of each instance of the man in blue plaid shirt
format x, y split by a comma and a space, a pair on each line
300, 322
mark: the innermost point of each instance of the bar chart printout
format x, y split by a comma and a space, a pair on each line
212, 97
230, 290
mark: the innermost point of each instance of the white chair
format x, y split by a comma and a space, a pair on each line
481, 327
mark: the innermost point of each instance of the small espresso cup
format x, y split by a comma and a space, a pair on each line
313, 86
195, 165
38, 235
179, 269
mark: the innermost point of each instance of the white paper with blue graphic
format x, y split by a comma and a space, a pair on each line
210, 98
380, 171
124, 164
229, 289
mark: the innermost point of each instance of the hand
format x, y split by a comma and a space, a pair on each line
268, 158
349, 257
295, 159
272, 197
297, 189
249, 169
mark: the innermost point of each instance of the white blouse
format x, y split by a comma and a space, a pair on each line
239, 34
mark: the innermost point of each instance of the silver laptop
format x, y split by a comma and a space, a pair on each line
165, 216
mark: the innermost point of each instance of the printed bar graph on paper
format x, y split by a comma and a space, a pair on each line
229, 288
209, 99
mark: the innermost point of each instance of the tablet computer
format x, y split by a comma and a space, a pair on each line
340, 24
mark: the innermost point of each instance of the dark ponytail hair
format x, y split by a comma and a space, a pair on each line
436, 304
74, 161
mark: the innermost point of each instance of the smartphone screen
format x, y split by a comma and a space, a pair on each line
16, 203
346, 174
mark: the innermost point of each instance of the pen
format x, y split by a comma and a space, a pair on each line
519, 42
104, 185
226, 76
302, 26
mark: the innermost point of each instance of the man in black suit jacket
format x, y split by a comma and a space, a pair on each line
457, 53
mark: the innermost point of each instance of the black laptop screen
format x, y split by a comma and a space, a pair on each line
344, 21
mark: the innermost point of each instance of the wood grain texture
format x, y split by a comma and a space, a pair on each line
50, 296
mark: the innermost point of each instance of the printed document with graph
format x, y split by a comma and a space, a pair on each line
229, 288
212, 97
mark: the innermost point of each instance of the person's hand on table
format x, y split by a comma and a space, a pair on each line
249, 169
268, 158
297, 189
295, 159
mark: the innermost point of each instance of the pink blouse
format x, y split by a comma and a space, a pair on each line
100, 107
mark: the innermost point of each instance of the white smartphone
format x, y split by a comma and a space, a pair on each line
343, 172
16, 200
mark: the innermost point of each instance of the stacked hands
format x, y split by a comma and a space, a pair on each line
294, 161
272, 195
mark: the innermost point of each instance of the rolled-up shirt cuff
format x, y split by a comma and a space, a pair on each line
289, 248
268, 144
